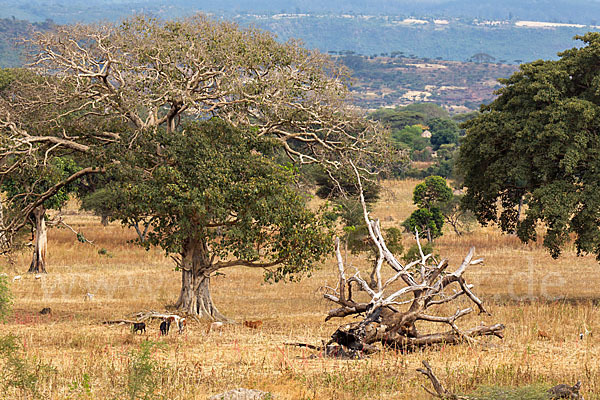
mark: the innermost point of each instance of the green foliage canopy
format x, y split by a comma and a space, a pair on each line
219, 186
426, 221
413, 114
31, 179
429, 195
443, 131
410, 137
540, 141
432, 192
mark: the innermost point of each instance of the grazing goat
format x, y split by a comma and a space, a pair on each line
181, 324
214, 326
138, 327
46, 311
165, 326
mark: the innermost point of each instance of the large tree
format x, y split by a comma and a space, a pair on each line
538, 143
214, 197
92, 83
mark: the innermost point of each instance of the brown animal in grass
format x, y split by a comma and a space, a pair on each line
46, 311
543, 335
253, 324
181, 324
138, 327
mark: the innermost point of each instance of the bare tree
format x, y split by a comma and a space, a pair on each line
427, 284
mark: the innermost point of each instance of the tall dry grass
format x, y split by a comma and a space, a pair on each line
525, 289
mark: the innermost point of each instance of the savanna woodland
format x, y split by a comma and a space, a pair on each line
190, 208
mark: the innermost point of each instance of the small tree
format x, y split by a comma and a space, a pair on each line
456, 215
429, 196
432, 192
213, 195
26, 182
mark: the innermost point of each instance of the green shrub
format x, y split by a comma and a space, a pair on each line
143, 373
413, 254
5, 299
19, 371
533, 392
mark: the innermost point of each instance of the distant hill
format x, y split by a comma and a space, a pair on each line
451, 39
67, 11
452, 30
395, 60
12, 32
396, 81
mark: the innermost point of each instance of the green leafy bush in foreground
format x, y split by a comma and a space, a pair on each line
532, 392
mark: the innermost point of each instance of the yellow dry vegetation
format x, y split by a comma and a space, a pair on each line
523, 286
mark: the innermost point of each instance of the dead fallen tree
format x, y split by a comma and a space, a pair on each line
426, 285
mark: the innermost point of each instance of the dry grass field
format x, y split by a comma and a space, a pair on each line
523, 286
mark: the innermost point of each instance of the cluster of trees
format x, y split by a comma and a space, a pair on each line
529, 160
199, 134
427, 132
191, 131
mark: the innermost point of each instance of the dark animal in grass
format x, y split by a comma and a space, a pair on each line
566, 392
46, 311
138, 327
164, 327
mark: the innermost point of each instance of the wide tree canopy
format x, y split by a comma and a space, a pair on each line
88, 84
538, 143
214, 197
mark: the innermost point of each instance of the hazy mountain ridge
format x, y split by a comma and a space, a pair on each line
421, 29
450, 39
67, 11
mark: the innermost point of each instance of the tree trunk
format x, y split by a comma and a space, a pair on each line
38, 263
195, 298
3, 240
514, 232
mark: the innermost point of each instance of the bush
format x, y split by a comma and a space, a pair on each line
413, 254
143, 374
5, 299
19, 371
533, 392
428, 223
